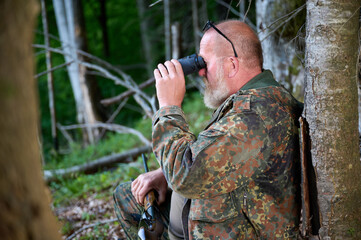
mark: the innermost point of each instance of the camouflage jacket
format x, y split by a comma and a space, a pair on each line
241, 175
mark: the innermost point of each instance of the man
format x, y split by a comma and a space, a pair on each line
240, 178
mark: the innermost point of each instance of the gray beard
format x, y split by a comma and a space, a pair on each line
215, 96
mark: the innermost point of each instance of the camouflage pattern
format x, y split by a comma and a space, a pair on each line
242, 172
129, 212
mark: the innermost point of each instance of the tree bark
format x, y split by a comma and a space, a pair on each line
331, 111
25, 211
359, 82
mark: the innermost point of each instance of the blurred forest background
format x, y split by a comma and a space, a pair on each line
94, 64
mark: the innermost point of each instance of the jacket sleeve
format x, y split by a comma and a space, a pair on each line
223, 157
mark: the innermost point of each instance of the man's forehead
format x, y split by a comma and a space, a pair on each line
207, 40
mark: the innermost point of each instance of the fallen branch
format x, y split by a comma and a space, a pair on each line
124, 157
90, 226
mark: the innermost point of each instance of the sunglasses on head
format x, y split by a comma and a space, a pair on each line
209, 25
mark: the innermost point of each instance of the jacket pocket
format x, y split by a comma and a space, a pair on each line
205, 139
215, 209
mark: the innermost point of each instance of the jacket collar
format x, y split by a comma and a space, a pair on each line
264, 79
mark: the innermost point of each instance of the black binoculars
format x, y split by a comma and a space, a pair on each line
192, 63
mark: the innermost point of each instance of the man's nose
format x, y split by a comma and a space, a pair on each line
202, 72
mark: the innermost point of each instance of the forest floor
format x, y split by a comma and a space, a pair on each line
90, 218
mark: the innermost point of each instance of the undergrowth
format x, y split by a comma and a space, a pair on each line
102, 184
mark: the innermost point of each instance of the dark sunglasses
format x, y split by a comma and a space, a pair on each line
209, 25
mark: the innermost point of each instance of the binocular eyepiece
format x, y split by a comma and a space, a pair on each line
192, 63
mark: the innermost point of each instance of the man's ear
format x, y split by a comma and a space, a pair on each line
233, 66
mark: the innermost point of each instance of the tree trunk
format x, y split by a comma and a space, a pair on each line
279, 54
70, 31
195, 21
176, 40
203, 14
25, 211
331, 111
94, 110
104, 27
242, 8
359, 83
50, 77
144, 33
167, 34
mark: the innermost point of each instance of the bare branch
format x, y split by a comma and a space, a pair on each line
108, 101
292, 13
151, 5
128, 82
112, 117
112, 127
234, 11
249, 6
53, 69
65, 133
148, 110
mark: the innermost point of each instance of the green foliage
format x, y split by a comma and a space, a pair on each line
99, 232
67, 228
114, 143
101, 184
87, 216
351, 232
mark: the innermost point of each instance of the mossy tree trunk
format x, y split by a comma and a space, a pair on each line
331, 103
24, 204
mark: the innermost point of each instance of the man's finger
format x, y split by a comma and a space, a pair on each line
157, 74
171, 68
163, 70
177, 65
